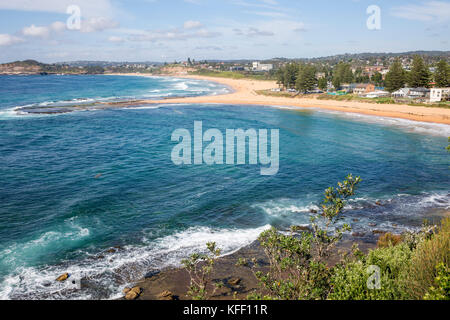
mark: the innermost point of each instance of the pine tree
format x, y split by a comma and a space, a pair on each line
323, 84
290, 75
419, 75
342, 74
442, 74
377, 79
306, 78
396, 77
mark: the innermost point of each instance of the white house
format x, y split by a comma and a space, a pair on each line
401, 93
377, 94
418, 92
439, 94
257, 66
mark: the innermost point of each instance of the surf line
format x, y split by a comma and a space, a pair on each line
212, 153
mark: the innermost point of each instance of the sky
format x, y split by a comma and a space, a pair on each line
172, 30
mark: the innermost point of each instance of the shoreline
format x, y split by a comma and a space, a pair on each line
245, 93
237, 282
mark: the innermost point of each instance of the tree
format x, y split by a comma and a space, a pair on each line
377, 79
280, 77
442, 74
419, 75
306, 79
342, 74
396, 77
323, 84
290, 75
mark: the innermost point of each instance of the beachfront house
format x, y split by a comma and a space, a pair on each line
439, 94
260, 67
364, 88
401, 93
376, 94
415, 93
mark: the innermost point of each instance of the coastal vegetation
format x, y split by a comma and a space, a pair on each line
410, 266
353, 97
35, 67
396, 77
233, 75
442, 75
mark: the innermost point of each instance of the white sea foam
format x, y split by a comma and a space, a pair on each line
394, 214
110, 273
436, 129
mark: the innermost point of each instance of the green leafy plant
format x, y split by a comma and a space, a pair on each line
298, 269
200, 266
441, 289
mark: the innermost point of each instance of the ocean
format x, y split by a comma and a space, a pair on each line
95, 193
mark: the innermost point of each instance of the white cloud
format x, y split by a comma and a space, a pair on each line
438, 11
192, 24
116, 39
7, 40
34, 31
172, 35
58, 26
98, 24
89, 8
43, 31
253, 32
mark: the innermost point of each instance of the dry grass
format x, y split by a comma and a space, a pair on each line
389, 240
422, 270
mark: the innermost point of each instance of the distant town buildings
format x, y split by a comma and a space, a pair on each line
259, 67
439, 94
364, 88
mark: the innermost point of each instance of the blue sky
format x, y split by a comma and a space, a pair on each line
168, 30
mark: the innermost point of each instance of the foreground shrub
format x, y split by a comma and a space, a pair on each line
200, 266
351, 280
389, 240
422, 273
298, 263
441, 290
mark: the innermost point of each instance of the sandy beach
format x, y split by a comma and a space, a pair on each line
245, 93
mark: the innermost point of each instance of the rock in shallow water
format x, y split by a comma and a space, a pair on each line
166, 295
134, 293
234, 281
63, 277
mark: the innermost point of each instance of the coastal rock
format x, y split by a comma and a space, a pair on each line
358, 234
355, 220
234, 281
126, 290
151, 274
379, 232
166, 295
133, 294
301, 229
63, 277
313, 211
372, 224
378, 203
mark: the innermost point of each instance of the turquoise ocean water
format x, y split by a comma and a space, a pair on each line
95, 194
